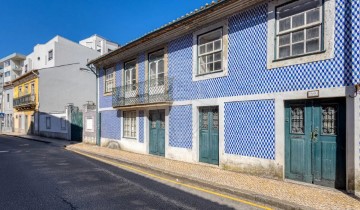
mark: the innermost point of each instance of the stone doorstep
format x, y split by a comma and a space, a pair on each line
273, 202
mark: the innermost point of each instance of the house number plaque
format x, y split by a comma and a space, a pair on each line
313, 94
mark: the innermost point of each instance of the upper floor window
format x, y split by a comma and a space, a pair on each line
7, 74
20, 91
210, 50
156, 68
130, 75
299, 27
50, 55
26, 89
130, 124
7, 63
32, 88
109, 80
26, 68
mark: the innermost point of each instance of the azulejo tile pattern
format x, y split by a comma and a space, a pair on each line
247, 71
250, 128
111, 124
180, 123
141, 126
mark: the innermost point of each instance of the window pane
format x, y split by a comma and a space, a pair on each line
210, 67
298, 49
152, 69
312, 33
161, 79
209, 58
284, 24
209, 47
298, 20
284, 52
161, 66
133, 74
217, 44
202, 49
217, 56
284, 40
127, 75
217, 66
313, 16
202, 60
202, 69
312, 45
298, 36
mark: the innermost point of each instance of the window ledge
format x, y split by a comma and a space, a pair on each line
210, 75
199, 75
298, 56
129, 138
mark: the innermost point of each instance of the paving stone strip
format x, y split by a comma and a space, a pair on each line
303, 195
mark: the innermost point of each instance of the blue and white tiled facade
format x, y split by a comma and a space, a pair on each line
250, 128
250, 97
180, 134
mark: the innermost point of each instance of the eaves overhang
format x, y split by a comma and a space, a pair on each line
186, 24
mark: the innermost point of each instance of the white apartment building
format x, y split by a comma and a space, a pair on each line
11, 68
99, 44
63, 78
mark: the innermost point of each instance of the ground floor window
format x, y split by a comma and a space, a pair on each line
130, 124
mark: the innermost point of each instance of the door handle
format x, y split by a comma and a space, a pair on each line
314, 134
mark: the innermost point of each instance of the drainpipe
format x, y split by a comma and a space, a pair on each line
93, 70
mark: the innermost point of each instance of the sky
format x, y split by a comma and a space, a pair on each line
25, 23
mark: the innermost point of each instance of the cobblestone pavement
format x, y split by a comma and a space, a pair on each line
302, 195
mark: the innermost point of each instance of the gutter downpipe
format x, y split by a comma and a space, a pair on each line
93, 70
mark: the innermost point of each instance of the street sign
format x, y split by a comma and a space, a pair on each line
2, 115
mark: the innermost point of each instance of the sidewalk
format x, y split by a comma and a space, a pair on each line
59, 142
261, 189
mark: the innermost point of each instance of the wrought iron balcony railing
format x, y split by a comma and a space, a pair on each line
25, 100
147, 92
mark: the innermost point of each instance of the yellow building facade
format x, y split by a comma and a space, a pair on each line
25, 102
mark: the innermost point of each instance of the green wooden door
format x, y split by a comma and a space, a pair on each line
76, 126
315, 142
157, 132
209, 135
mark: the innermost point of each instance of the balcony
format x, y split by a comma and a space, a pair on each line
154, 91
27, 101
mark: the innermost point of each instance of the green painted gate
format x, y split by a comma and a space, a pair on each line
76, 125
157, 132
315, 141
209, 135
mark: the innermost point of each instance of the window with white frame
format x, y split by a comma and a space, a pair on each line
210, 50
130, 75
109, 80
129, 124
156, 68
299, 28
50, 55
48, 122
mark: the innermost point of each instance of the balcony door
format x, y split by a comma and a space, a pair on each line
156, 73
130, 88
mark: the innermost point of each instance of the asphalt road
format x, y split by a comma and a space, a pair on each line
37, 175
